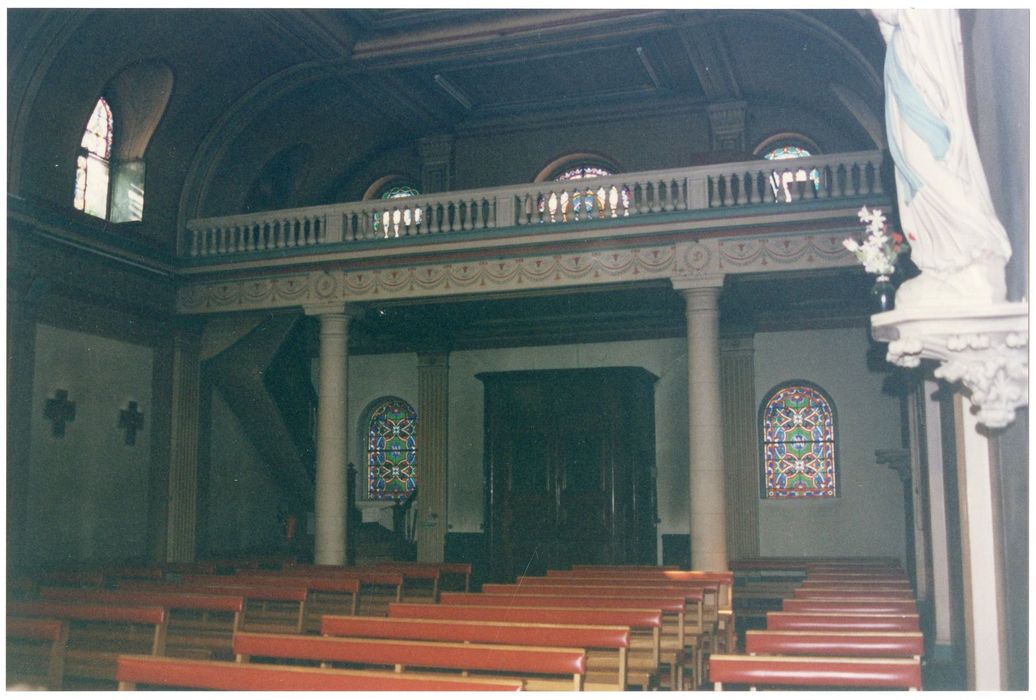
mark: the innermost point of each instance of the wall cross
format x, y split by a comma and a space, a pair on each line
59, 410
131, 419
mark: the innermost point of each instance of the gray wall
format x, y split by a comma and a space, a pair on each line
867, 518
88, 490
242, 500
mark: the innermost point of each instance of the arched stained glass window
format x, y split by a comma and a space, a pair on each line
93, 163
392, 450
780, 180
798, 443
392, 220
577, 203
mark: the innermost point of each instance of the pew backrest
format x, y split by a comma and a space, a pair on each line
826, 671
222, 675
857, 622
54, 633
861, 605
499, 658
806, 643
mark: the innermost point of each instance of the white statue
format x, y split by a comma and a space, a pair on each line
945, 209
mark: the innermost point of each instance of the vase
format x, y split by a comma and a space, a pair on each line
883, 294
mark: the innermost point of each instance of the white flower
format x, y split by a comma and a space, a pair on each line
876, 252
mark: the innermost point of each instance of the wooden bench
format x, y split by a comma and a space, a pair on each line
849, 594
328, 595
813, 643
98, 633
674, 647
860, 605
164, 672
539, 667
426, 576
36, 651
813, 671
641, 622
199, 624
593, 639
835, 622
377, 588
290, 601
695, 630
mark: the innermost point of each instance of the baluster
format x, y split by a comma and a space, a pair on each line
305, 231
220, 235
475, 214
869, 178
856, 178
464, 211
735, 189
723, 190
552, 206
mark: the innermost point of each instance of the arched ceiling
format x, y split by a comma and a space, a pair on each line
350, 84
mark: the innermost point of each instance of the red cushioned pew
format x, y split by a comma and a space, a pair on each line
164, 672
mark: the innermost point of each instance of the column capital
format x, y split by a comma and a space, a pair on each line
332, 309
433, 360
698, 282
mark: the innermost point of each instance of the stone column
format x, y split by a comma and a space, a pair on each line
332, 527
707, 479
182, 513
433, 374
740, 446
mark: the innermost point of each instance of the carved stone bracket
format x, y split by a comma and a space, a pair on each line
897, 460
985, 347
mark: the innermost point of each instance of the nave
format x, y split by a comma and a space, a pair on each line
274, 623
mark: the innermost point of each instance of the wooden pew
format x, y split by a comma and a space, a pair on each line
539, 667
377, 588
164, 672
860, 605
199, 624
416, 577
814, 671
36, 651
640, 622
836, 622
593, 639
848, 594
673, 642
328, 595
672, 647
98, 633
291, 599
851, 644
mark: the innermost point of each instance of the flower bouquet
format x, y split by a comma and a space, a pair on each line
878, 252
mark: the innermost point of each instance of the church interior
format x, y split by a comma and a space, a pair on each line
406, 306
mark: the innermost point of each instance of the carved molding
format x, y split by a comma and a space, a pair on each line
985, 347
692, 262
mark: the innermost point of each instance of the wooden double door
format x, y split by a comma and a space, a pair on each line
569, 469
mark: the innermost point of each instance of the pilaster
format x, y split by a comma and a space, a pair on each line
436, 163
433, 373
727, 125
740, 448
182, 513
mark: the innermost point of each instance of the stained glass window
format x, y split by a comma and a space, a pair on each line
781, 181
585, 204
392, 450
798, 443
92, 165
392, 220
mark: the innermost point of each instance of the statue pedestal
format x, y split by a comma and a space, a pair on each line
984, 346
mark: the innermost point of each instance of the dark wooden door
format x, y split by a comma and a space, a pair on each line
569, 460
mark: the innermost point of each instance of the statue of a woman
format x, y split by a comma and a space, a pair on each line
945, 209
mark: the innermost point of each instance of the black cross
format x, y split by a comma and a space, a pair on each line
59, 410
131, 420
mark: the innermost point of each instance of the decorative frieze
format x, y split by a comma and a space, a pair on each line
689, 260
